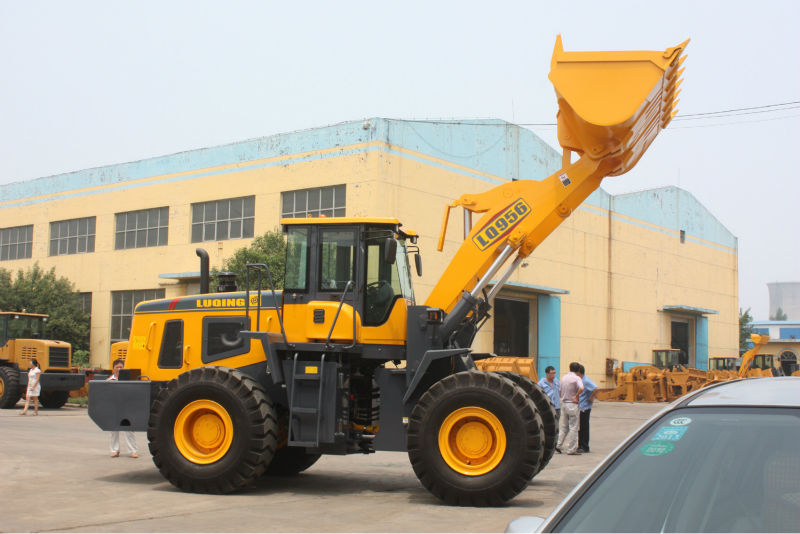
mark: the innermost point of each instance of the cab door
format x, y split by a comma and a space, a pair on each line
322, 268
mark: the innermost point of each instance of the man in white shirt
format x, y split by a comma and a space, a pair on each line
569, 422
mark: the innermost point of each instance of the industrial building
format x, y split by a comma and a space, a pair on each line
623, 275
784, 342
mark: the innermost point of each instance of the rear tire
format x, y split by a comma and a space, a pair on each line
546, 411
53, 399
474, 439
290, 461
9, 387
212, 430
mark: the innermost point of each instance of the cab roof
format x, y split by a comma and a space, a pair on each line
387, 221
342, 220
24, 313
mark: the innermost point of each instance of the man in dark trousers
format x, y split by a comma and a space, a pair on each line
586, 398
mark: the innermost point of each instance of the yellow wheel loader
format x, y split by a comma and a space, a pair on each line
22, 338
230, 386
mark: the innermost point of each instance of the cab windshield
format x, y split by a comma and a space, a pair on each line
385, 282
722, 364
25, 327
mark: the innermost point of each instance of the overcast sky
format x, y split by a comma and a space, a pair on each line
87, 84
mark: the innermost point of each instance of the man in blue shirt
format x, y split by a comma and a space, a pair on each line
586, 399
552, 388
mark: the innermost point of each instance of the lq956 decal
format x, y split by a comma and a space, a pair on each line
501, 224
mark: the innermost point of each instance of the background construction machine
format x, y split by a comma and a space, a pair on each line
233, 385
666, 380
21, 340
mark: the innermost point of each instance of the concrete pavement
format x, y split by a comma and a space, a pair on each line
56, 475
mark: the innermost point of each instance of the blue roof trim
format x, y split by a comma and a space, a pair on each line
489, 150
675, 209
490, 146
689, 309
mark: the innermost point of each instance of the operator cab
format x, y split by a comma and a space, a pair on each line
21, 325
361, 262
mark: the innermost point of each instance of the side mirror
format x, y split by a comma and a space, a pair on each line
390, 251
418, 263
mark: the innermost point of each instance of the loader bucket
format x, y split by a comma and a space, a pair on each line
613, 104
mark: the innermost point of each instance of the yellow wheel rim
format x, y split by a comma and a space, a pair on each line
472, 441
203, 432
2, 386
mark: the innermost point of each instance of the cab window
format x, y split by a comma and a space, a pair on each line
221, 337
385, 281
382, 287
337, 259
171, 355
296, 278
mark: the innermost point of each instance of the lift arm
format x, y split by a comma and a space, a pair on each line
611, 107
759, 341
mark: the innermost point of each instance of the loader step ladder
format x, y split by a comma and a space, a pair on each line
298, 413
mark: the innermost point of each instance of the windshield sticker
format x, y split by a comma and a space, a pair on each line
681, 421
670, 433
657, 448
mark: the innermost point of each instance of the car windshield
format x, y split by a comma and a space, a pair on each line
718, 469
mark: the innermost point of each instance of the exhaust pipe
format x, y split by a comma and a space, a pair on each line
203, 270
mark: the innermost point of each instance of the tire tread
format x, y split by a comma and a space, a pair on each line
261, 442
490, 494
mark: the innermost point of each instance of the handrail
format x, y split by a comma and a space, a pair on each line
319, 396
347, 287
259, 267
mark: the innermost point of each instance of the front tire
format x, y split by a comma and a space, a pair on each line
9, 387
546, 411
474, 439
53, 399
212, 430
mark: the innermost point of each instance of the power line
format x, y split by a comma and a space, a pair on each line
735, 112
732, 123
688, 115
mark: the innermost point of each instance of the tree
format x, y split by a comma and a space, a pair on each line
745, 329
269, 248
39, 291
780, 315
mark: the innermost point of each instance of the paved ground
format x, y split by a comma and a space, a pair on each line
56, 471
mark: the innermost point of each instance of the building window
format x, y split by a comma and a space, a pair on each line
218, 220
86, 303
75, 236
16, 243
143, 228
316, 202
122, 305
